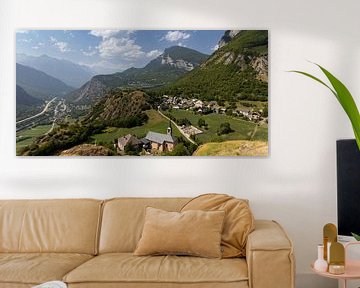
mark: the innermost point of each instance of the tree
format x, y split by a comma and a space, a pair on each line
183, 121
224, 128
132, 150
179, 150
201, 122
265, 111
229, 112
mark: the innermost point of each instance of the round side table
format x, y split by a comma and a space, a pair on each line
352, 269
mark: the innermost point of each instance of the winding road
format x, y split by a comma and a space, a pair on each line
39, 114
187, 137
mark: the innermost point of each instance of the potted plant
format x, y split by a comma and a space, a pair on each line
345, 99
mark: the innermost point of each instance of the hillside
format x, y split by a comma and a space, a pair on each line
72, 74
120, 109
26, 104
164, 69
233, 148
38, 84
23, 98
238, 70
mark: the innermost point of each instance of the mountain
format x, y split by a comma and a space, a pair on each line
164, 69
38, 84
121, 109
70, 73
23, 98
238, 70
177, 57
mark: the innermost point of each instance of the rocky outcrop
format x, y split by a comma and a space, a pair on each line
260, 65
227, 37
87, 150
178, 63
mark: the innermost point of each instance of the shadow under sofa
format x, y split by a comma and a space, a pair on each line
90, 243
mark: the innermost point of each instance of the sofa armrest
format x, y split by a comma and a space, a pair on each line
269, 255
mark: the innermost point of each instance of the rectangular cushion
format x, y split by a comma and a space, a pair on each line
123, 220
64, 226
35, 268
127, 268
192, 233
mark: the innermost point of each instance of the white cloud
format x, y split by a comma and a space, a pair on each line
35, 47
123, 47
68, 32
117, 43
173, 36
62, 46
22, 31
120, 48
25, 40
104, 33
89, 53
153, 53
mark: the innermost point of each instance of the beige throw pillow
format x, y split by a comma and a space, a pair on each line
239, 220
194, 232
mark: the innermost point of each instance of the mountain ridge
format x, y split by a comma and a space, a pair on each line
24, 98
39, 84
72, 74
162, 70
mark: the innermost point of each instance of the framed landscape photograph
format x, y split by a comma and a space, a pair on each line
142, 93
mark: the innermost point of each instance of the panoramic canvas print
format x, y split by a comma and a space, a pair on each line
142, 93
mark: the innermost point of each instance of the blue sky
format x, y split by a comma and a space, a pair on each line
112, 50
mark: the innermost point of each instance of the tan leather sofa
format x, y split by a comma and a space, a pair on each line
89, 243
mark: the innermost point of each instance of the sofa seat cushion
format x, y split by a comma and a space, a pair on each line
127, 268
36, 268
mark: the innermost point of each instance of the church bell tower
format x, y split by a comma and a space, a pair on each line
169, 129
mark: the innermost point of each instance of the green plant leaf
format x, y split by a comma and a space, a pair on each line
344, 97
316, 79
356, 236
346, 100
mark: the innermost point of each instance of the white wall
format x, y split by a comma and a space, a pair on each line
295, 185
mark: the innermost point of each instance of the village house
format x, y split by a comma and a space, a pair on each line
162, 142
245, 112
128, 140
199, 104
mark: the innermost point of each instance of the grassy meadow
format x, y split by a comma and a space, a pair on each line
233, 148
243, 130
26, 137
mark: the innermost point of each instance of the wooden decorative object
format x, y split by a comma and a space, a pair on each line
330, 236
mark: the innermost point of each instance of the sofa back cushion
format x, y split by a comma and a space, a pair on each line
123, 220
64, 226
